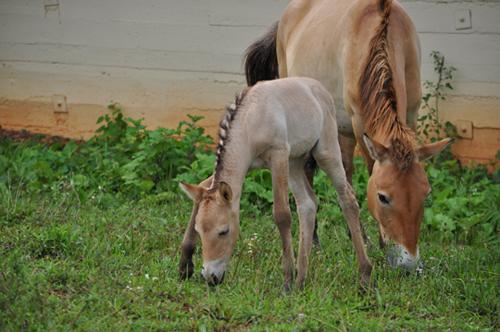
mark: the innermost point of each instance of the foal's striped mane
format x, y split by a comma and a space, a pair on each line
378, 97
224, 131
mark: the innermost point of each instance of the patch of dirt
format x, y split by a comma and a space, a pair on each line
25, 135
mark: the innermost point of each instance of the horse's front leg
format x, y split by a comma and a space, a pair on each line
281, 211
347, 146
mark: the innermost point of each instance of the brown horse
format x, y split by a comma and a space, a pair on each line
367, 54
278, 124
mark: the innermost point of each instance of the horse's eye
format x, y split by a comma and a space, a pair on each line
224, 232
383, 199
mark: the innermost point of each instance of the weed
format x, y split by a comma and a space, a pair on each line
430, 126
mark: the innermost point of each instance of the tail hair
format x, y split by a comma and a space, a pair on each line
261, 60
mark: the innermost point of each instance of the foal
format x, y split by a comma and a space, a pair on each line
277, 124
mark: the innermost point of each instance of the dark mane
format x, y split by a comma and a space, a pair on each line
224, 133
378, 97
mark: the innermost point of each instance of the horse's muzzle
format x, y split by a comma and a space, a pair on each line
399, 256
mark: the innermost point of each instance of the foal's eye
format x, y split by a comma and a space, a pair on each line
224, 232
383, 199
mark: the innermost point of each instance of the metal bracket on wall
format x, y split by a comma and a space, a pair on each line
464, 128
59, 103
52, 6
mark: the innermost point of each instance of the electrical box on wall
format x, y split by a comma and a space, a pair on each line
59, 103
463, 19
464, 128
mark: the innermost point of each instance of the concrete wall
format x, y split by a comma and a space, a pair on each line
161, 59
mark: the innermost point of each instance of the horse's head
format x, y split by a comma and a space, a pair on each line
396, 198
217, 225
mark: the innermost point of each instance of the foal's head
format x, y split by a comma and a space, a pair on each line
396, 194
218, 227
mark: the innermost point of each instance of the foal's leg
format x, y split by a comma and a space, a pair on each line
281, 210
347, 146
310, 169
188, 245
306, 209
327, 154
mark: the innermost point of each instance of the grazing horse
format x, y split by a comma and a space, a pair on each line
367, 55
277, 124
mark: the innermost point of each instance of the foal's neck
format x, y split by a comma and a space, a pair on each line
236, 163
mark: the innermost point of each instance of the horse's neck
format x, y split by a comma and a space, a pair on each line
236, 162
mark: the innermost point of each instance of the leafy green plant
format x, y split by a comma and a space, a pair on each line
464, 202
126, 160
122, 158
430, 126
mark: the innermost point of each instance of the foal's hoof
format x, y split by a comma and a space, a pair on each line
287, 288
365, 281
186, 270
368, 288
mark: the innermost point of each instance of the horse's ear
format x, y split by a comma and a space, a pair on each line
225, 192
430, 150
376, 150
193, 192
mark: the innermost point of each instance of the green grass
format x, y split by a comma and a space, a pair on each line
90, 235
112, 265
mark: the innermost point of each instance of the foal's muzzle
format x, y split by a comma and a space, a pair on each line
213, 271
214, 280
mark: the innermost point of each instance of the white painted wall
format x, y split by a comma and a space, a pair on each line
164, 58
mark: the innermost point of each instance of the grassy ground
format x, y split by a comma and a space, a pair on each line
113, 266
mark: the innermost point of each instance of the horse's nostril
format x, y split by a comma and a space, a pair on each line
215, 280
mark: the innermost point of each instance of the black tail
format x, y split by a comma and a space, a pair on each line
261, 60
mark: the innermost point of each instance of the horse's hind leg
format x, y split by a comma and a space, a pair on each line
310, 169
281, 210
328, 156
306, 209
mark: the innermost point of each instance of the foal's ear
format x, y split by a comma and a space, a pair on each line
193, 192
376, 150
430, 150
225, 192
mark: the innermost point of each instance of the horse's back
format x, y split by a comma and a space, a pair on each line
329, 40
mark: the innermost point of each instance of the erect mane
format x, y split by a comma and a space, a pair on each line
224, 134
378, 97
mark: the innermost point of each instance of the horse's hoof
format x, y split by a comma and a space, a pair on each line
316, 243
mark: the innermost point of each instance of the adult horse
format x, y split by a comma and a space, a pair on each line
367, 54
